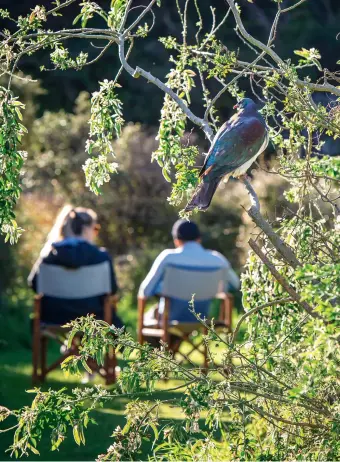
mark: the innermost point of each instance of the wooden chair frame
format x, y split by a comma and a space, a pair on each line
42, 334
162, 329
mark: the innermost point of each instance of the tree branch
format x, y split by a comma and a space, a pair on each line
283, 282
140, 17
152, 79
254, 310
255, 215
275, 57
239, 75
289, 8
280, 419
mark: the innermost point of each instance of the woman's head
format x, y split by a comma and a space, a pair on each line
80, 222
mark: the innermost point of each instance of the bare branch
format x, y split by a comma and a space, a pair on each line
99, 55
276, 58
59, 7
70, 33
255, 310
289, 8
254, 212
127, 56
140, 17
127, 9
280, 419
152, 79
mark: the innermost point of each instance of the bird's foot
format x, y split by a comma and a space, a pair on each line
244, 177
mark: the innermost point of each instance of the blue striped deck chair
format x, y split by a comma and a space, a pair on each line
65, 286
176, 322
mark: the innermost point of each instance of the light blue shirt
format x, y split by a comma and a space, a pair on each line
190, 254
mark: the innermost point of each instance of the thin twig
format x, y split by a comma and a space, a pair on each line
140, 17
275, 57
281, 419
254, 310
127, 9
154, 80
283, 282
293, 6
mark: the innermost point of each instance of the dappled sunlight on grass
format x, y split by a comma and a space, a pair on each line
15, 372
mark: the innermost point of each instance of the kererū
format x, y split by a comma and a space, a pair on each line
235, 147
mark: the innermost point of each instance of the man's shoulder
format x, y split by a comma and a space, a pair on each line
218, 257
167, 254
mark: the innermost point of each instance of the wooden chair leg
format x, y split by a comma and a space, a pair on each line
165, 321
43, 357
35, 357
36, 340
140, 319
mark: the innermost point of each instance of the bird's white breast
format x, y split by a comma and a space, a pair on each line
243, 168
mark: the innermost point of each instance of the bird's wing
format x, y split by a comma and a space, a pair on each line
236, 145
215, 146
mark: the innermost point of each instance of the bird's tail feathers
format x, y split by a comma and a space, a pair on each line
203, 195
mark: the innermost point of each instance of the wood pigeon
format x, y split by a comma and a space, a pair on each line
235, 147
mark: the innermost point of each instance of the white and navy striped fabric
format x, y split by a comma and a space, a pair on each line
186, 271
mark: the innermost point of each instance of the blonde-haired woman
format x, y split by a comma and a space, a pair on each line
70, 244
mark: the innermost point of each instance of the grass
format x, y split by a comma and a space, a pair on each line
15, 378
15, 373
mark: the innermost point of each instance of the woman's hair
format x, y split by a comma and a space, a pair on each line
70, 222
76, 220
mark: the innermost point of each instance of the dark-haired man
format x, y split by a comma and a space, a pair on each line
188, 252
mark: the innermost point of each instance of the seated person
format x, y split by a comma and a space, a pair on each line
189, 252
71, 245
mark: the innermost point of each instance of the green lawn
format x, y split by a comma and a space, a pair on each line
15, 378
15, 373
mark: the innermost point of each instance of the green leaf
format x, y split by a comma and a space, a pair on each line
17, 110
70, 338
166, 174
76, 435
68, 359
76, 19
33, 449
86, 366
126, 428
155, 430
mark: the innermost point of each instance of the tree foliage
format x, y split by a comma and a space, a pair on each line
277, 396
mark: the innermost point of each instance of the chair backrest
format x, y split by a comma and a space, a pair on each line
182, 282
84, 282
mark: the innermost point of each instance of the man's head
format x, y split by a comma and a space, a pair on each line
185, 231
